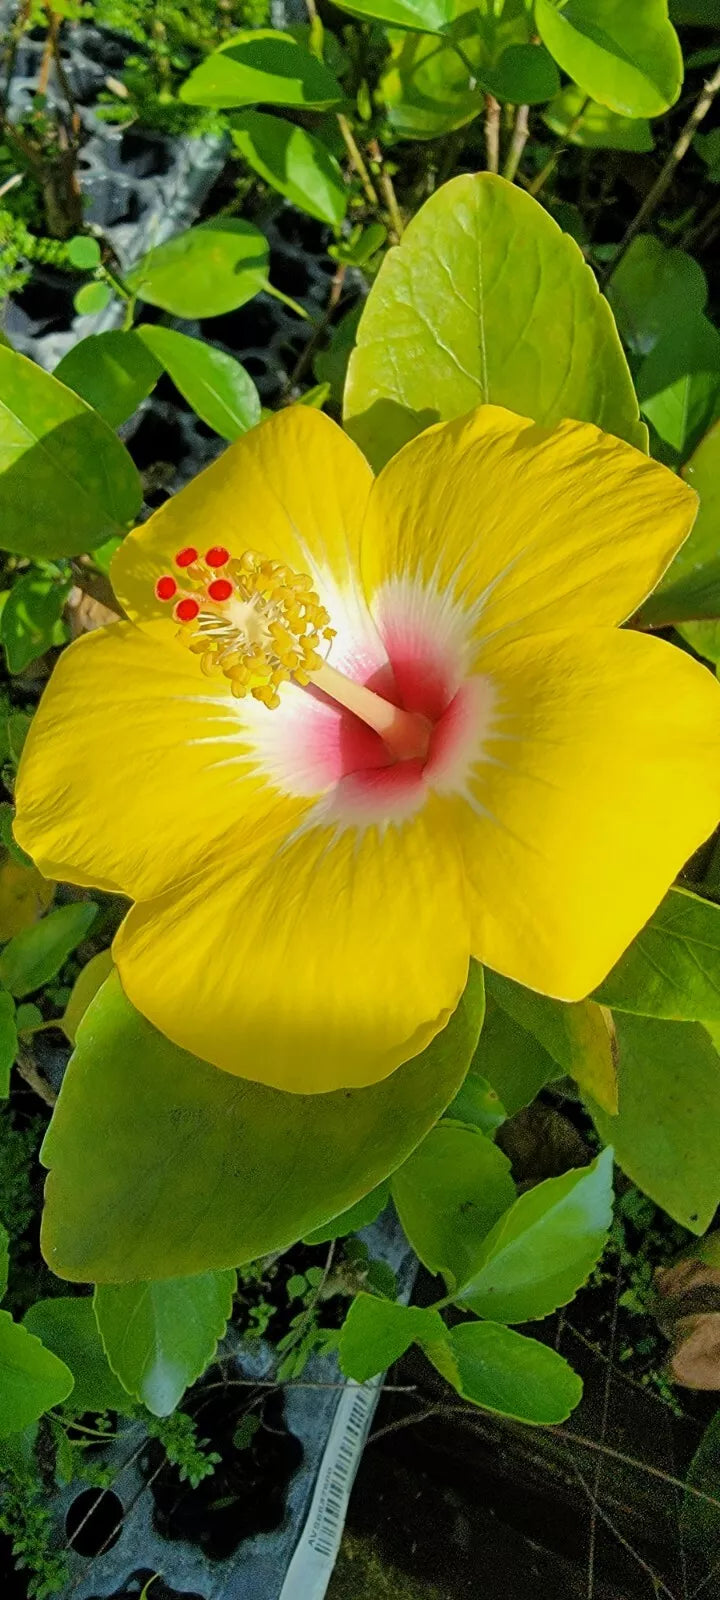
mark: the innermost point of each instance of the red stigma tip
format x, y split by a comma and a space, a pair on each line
165, 588
186, 610
220, 589
218, 556
185, 558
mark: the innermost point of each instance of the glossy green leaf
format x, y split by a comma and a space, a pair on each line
4, 1259
691, 586
355, 1218
579, 1036
8, 1043
32, 1380
85, 988
83, 252
217, 387
66, 1325
678, 383
36, 954
245, 1169
627, 56
448, 1196
376, 1333
507, 1373
426, 88
292, 161
672, 968
598, 128
524, 75
422, 16
477, 1103
66, 481
512, 1059
459, 315
114, 372
261, 67
545, 1246
206, 271
160, 1337
667, 1130
31, 620
652, 288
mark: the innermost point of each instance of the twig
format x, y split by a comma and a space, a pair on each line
27, 1068
517, 143
662, 182
597, 1511
48, 51
492, 133
357, 161
547, 171
388, 193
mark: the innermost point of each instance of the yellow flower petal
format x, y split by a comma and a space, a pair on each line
294, 489
530, 528
599, 776
135, 765
326, 963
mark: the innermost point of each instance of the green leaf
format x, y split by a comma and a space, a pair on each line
92, 298
544, 1247
219, 390
293, 162
699, 1517
691, 586
505, 1372
427, 88
653, 288
678, 383
206, 271
459, 315
31, 620
262, 66
330, 365
8, 1043
525, 74
66, 481
422, 16
4, 1259
36, 954
32, 1380
85, 988
377, 1333
667, 1129
449, 1194
626, 56
245, 1169
672, 968
66, 1325
83, 252
477, 1103
160, 1337
598, 128
511, 1059
355, 1218
578, 1036
114, 372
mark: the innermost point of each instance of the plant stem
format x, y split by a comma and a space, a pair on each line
517, 143
547, 171
492, 133
286, 300
388, 193
28, 1070
662, 182
356, 160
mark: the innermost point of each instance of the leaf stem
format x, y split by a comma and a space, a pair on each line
357, 161
492, 132
388, 192
517, 143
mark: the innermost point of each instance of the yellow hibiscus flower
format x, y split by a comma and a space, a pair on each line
485, 765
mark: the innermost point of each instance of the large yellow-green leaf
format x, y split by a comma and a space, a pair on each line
666, 1134
261, 67
672, 968
485, 300
162, 1166
691, 586
625, 53
66, 481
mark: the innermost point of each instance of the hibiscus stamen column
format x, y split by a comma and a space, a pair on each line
406, 733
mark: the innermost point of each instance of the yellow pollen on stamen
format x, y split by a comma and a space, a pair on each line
261, 624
